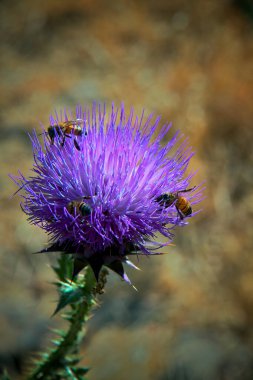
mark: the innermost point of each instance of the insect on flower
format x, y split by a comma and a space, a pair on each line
65, 129
79, 206
182, 204
125, 166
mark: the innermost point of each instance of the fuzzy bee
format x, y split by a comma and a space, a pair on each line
181, 203
79, 206
65, 129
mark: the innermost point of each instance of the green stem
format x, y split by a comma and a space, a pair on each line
54, 360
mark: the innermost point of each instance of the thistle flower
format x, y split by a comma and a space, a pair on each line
98, 184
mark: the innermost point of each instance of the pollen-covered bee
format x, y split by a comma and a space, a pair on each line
65, 129
79, 206
182, 204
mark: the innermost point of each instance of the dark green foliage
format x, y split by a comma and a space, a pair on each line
70, 293
4, 376
62, 361
64, 269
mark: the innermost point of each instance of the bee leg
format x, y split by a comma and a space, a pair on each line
186, 191
76, 145
63, 140
181, 215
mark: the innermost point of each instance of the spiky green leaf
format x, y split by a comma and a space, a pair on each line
64, 269
70, 293
81, 371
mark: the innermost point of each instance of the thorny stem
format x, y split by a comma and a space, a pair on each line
54, 360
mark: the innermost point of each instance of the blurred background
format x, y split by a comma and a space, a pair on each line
192, 63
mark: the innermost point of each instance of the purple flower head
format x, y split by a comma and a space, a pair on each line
104, 185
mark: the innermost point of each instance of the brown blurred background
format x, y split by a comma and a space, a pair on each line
192, 63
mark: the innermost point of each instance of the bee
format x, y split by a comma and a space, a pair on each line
182, 204
79, 206
65, 129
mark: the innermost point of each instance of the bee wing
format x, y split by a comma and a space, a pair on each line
68, 123
75, 122
81, 199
